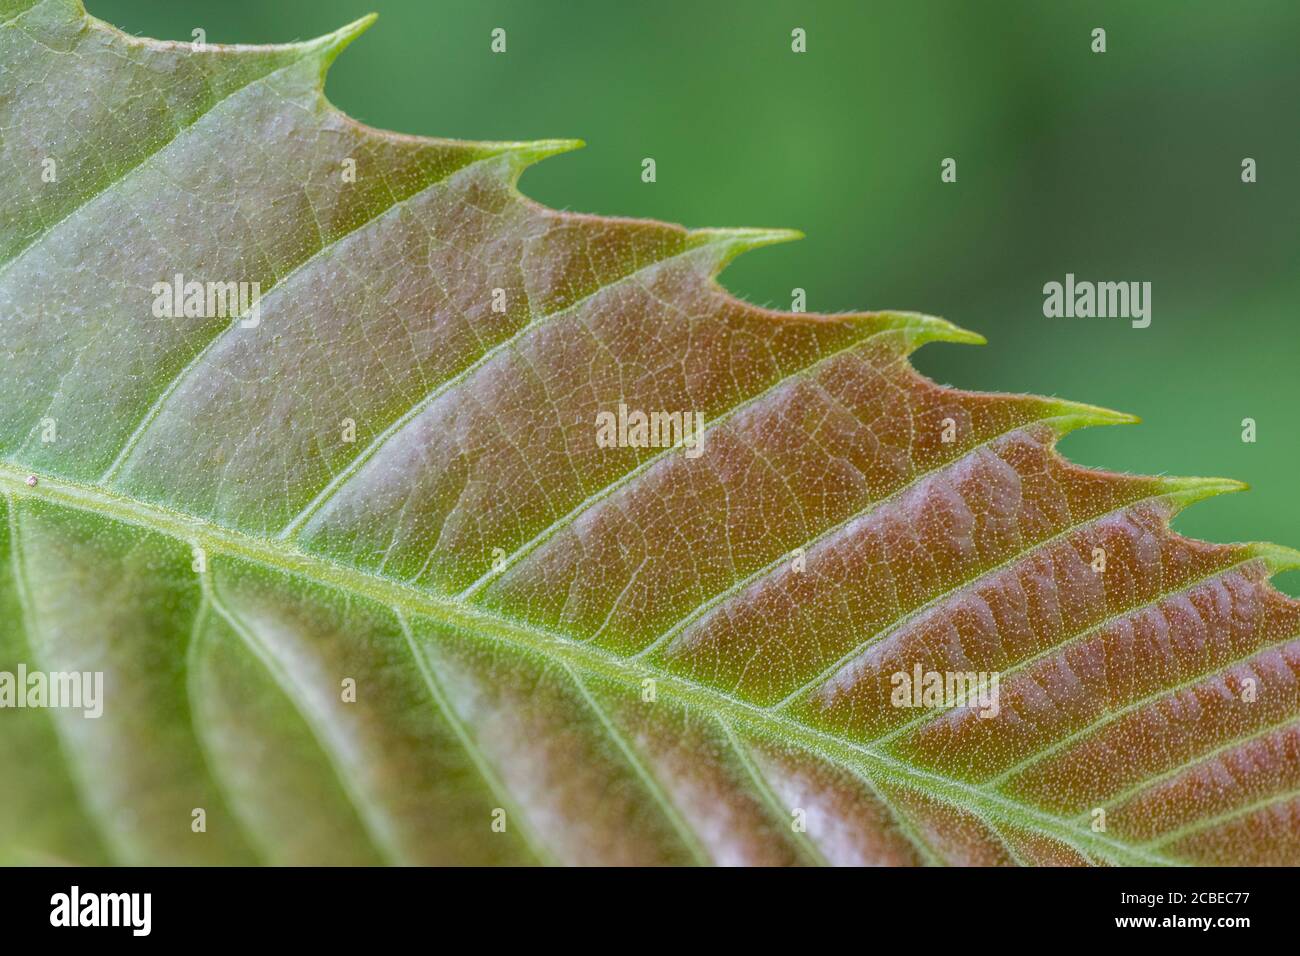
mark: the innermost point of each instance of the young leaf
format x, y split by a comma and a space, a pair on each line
365, 585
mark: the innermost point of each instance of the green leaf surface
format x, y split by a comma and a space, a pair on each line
626, 655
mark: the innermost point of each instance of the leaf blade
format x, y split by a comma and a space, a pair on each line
520, 686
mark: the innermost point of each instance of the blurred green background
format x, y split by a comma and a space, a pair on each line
1122, 166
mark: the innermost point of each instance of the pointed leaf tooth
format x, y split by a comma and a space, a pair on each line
1074, 415
530, 152
1278, 557
1188, 491
732, 243
924, 328
329, 46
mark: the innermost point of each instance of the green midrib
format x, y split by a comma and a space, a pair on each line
871, 764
